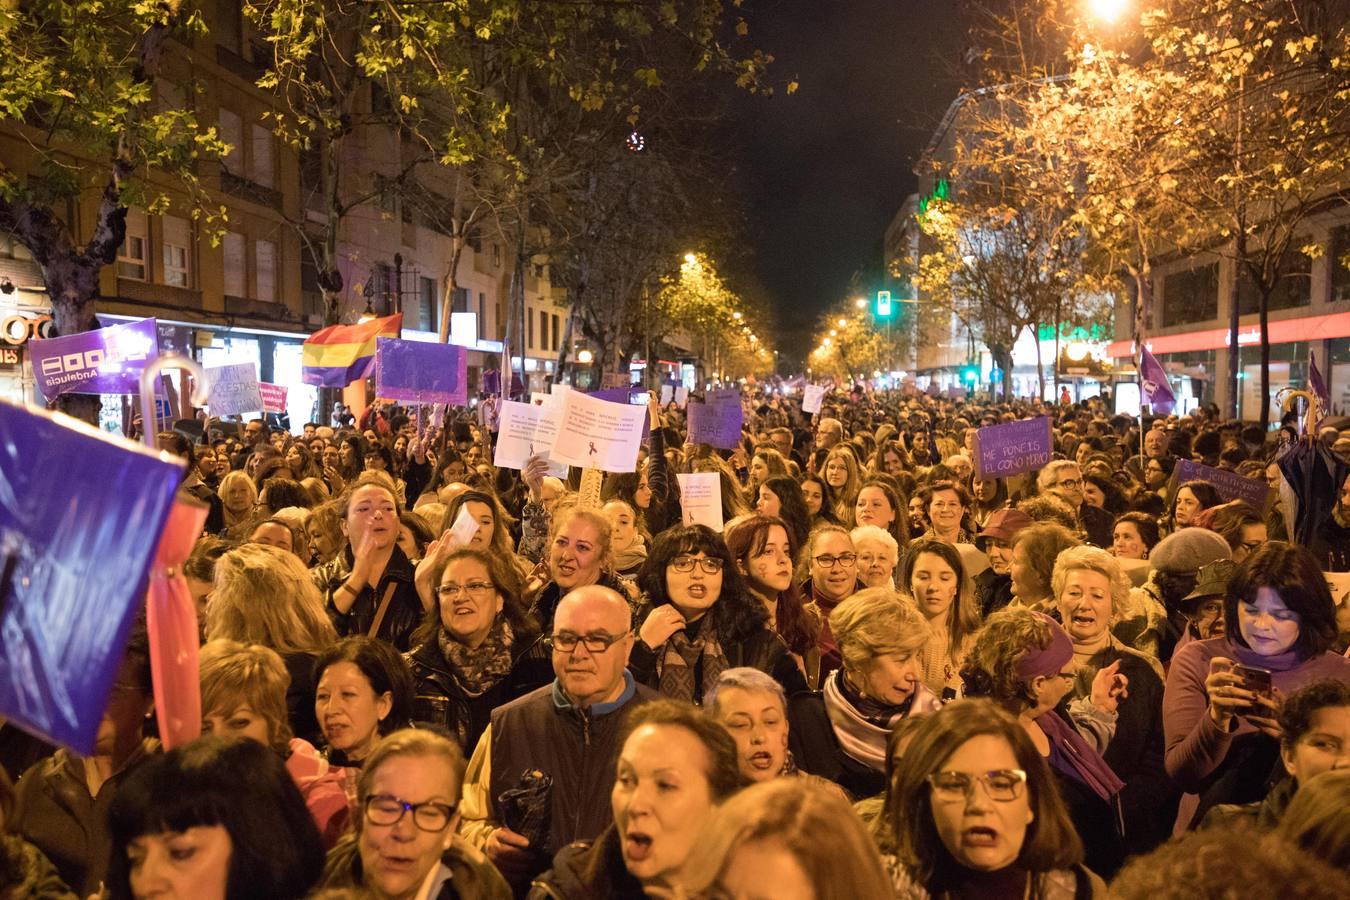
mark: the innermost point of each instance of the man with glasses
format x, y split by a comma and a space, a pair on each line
545, 766
1064, 479
828, 433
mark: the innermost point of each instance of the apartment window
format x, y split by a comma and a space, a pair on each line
265, 270
131, 259
236, 264
261, 171
501, 321
461, 301
1191, 295
429, 302
232, 133
1293, 287
496, 255
529, 331
177, 251
228, 28
482, 315
556, 336
543, 330
1340, 263
384, 288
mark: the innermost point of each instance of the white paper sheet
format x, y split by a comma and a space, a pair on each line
597, 434
701, 499
812, 395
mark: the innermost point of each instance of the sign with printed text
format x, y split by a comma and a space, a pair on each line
102, 361
1004, 450
525, 430
273, 397
701, 499
597, 434
1230, 485
234, 389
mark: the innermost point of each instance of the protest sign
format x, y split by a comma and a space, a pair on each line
521, 437
103, 361
716, 423
464, 528
273, 397
681, 396
421, 372
597, 434
701, 499
812, 395
1003, 450
667, 394
616, 380
1230, 485
234, 389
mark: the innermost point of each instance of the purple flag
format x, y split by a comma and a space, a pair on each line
421, 372
103, 361
1319, 388
1153, 382
492, 381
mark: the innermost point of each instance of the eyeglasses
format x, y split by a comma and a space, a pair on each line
383, 809
1000, 784
475, 589
826, 561
1069, 482
685, 564
595, 644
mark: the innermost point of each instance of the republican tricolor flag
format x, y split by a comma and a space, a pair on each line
340, 354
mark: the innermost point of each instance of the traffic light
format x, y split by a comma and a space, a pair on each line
970, 374
883, 304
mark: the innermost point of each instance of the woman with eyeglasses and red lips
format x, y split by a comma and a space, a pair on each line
975, 813
405, 843
477, 648
1023, 660
697, 619
1223, 694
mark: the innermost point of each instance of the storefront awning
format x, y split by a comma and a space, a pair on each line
1282, 331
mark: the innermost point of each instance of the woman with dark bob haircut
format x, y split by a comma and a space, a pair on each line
697, 619
1221, 736
364, 690
234, 806
968, 766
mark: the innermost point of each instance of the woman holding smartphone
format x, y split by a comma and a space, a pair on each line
1219, 707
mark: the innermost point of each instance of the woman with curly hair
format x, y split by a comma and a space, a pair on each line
764, 549
697, 619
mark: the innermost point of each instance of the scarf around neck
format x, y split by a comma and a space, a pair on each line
477, 670
679, 663
862, 726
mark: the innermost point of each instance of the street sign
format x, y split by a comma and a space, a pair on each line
996, 375
883, 304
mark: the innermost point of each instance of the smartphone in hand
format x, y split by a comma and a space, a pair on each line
1257, 681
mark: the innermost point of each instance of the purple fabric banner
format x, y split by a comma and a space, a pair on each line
421, 372
1319, 388
1153, 382
1003, 450
1230, 485
717, 421
103, 361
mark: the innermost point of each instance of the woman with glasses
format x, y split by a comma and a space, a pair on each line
975, 813
832, 562
697, 619
405, 844
477, 648
841, 732
1023, 660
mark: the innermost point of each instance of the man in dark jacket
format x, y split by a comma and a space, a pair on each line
546, 762
1065, 479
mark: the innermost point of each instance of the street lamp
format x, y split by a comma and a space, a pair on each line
585, 357
690, 259
842, 322
834, 333
736, 316
861, 303
1108, 10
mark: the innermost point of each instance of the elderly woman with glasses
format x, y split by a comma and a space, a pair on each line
477, 648
698, 619
405, 843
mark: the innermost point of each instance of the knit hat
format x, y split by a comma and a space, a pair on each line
1186, 550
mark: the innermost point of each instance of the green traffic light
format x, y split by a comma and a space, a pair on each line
883, 304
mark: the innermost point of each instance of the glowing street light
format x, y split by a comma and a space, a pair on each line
834, 333
690, 259
841, 322
585, 357
1108, 10
861, 303
736, 316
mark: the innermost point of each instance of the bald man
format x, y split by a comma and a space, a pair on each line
568, 731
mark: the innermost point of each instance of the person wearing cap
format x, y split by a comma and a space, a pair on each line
1154, 621
993, 586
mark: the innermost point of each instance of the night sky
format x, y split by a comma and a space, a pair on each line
823, 171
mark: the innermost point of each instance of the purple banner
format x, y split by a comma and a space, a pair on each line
1230, 485
420, 372
1003, 450
1319, 389
103, 361
1154, 384
492, 381
717, 421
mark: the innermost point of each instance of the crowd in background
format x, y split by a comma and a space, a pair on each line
886, 676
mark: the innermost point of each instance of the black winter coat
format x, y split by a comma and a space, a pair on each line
405, 608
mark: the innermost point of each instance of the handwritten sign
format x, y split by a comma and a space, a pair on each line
273, 397
812, 396
1230, 485
234, 389
701, 499
1003, 450
597, 434
717, 421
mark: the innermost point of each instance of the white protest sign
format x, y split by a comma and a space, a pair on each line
667, 392
1339, 582
681, 396
701, 499
538, 398
465, 527
812, 395
521, 437
234, 389
597, 434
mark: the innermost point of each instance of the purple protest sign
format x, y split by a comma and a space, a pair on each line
1003, 450
80, 517
103, 361
716, 422
421, 372
1229, 485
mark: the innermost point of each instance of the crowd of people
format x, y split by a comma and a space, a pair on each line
885, 677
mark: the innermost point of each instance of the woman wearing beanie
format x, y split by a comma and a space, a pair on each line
1155, 620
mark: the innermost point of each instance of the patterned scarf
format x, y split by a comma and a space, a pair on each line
862, 725
680, 660
475, 671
